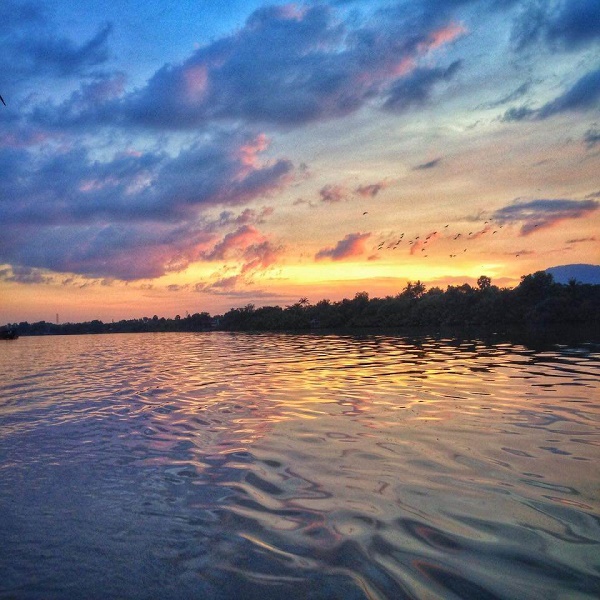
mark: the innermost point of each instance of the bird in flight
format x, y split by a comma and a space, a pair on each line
1, 98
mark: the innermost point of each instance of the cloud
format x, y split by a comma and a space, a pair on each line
371, 190
477, 234
249, 216
543, 213
23, 137
133, 215
332, 194
320, 66
174, 287
416, 88
425, 242
428, 165
582, 240
243, 237
519, 113
24, 275
560, 24
521, 252
260, 256
228, 286
436, 6
31, 48
122, 251
248, 246
511, 97
72, 205
225, 283
352, 245
69, 186
592, 137
583, 95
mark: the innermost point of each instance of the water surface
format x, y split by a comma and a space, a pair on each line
220, 465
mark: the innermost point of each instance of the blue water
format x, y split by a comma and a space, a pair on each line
220, 465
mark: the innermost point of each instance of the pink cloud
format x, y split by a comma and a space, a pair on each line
250, 247
23, 138
235, 242
443, 36
416, 247
371, 190
479, 233
260, 256
421, 244
332, 193
226, 282
352, 245
407, 64
196, 81
248, 152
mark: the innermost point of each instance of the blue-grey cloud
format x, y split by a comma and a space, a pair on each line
511, 97
560, 24
135, 215
249, 216
428, 165
286, 67
416, 88
519, 113
72, 187
583, 95
31, 48
543, 213
591, 137
122, 251
23, 275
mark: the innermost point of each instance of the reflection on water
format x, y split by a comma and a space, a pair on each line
292, 466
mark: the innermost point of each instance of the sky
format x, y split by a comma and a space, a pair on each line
178, 157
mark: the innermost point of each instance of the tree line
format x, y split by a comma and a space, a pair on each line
538, 299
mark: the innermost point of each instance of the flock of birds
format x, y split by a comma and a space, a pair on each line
419, 243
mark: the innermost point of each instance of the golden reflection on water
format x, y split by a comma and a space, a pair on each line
387, 466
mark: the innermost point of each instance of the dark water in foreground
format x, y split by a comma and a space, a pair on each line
298, 466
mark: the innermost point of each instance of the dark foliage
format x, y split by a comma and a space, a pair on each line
537, 300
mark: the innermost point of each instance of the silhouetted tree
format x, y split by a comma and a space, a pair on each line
484, 282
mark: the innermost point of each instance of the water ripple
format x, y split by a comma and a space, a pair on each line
292, 466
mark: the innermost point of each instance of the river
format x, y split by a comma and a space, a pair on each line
282, 466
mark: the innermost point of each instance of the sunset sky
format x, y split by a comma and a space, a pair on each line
170, 157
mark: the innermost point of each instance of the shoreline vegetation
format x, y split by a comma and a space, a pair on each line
538, 301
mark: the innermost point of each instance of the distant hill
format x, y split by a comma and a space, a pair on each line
581, 273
